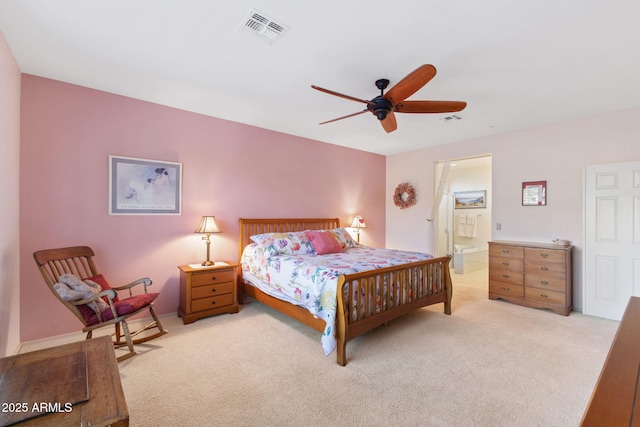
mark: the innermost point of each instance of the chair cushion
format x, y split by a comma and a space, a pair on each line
124, 306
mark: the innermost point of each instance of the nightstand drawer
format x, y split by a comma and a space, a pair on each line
213, 302
212, 277
212, 290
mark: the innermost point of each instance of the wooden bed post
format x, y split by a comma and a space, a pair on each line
341, 325
449, 285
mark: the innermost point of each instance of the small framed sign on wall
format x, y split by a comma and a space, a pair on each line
534, 193
144, 187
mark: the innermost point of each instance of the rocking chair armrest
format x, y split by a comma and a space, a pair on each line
109, 293
145, 281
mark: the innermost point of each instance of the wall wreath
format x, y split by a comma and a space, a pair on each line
404, 196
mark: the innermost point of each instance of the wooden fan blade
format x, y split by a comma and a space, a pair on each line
430, 106
330, 92
389, 123
345, 117
411, 83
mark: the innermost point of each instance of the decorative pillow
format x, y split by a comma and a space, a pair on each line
273, 243
125, 306
70, 288
345, 238
102, 282
300, 243
324, 242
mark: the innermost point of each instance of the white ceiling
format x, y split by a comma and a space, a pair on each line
518, 64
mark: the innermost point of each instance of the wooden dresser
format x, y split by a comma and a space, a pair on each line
206, 291
531, 274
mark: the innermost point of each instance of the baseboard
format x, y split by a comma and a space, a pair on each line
27, 346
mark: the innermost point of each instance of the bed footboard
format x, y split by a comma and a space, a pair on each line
372, 298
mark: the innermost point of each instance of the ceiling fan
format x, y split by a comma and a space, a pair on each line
384, 105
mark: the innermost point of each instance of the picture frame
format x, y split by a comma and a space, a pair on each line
534, 193
470, 199
144, 186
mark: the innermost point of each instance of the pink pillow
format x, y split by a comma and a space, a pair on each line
324, 242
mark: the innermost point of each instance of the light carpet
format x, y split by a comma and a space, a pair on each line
490, 363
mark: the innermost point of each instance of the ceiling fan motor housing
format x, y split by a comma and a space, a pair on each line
380, 107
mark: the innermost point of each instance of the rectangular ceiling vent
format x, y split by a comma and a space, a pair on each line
451, 118
263, 27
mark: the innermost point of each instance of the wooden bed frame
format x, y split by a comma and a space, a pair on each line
428, 282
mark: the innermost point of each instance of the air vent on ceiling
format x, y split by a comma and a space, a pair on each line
263, 27
451, 118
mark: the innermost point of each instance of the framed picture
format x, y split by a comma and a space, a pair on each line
534, 193
471, 199
144, 187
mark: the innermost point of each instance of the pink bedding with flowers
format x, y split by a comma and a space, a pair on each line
286, 266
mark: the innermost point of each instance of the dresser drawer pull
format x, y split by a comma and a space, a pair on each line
544, 268
544, 282
506, 276
213, 290
505, 251
544, 295
543, 254
504, 288
213, 303
506, 264
213, 278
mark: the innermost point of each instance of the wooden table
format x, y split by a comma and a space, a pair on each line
87, 373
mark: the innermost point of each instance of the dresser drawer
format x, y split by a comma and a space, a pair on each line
212, 277
543, 295
511, 264
212, 290
548, 255
211, 302
506, 276
558, 284
506, 289
504, 251
545, 268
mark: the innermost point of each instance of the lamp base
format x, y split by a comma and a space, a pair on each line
207, 263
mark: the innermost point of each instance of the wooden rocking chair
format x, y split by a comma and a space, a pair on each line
78, 261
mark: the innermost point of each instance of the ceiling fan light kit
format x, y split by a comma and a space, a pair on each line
384, 106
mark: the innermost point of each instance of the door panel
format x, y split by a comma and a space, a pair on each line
612, 238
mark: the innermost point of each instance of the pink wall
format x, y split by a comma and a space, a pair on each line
556, 153
9, 165
230, 170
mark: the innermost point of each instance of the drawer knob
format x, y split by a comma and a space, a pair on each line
543, 254
506, 276
213, 303
544, 268
505, 251
213, 278
504, 288
544, 282
213, 290
506, 264
544, 295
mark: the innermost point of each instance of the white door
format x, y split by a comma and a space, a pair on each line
612, 238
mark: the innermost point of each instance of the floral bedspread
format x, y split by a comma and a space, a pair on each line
311, 280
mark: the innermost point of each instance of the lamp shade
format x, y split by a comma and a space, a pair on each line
358, 222
208, 225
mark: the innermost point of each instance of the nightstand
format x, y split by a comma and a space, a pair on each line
207, 291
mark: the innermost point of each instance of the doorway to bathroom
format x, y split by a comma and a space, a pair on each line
463, 217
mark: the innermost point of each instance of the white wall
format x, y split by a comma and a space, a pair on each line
9, 200
556, 153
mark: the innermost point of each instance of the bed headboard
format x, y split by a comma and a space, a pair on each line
252, 226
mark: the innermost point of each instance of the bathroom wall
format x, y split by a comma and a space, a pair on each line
472, 175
